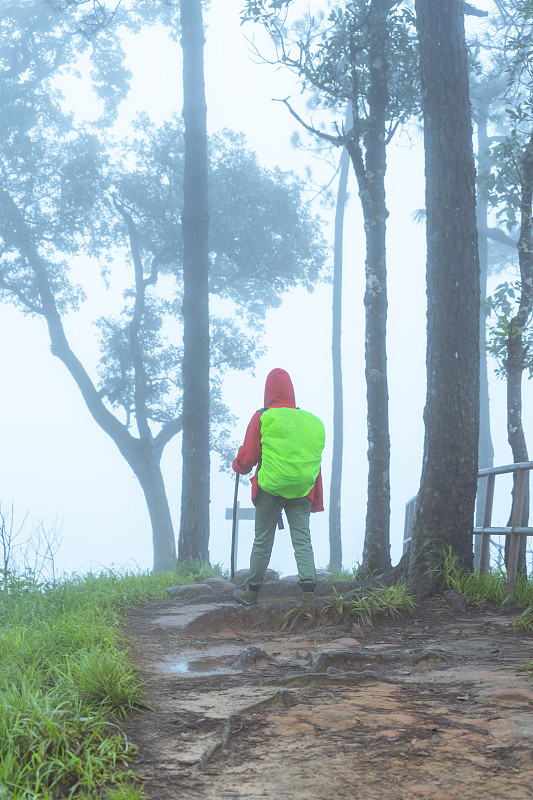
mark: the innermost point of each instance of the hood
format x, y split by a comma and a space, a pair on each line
279, 391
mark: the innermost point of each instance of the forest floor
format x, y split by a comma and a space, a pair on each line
429, 705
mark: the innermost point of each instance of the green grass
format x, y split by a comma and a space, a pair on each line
525, 621
341, 574
366, 604
65, 683
482, 589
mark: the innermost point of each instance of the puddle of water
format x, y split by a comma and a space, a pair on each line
179, 666
203, 666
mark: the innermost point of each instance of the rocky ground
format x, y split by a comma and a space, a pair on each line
432, 705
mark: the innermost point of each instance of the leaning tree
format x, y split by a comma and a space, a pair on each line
69, 195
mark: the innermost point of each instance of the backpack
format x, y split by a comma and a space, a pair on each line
292, 441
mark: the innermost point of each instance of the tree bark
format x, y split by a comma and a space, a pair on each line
516, 350
371, 182
148, 472
446, 499
517, 440
335, 538
485, 447
194, 524
143, 454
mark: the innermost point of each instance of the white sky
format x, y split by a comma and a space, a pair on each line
57, 464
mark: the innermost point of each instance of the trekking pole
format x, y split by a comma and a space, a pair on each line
234, 527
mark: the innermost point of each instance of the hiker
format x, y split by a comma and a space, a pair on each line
286, 443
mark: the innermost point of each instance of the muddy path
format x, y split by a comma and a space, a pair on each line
424, 706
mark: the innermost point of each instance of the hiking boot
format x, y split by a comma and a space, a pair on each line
246, 598
308, 597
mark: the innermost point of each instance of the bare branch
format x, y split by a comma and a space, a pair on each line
168, 432
337, 141
472, 11
497, 235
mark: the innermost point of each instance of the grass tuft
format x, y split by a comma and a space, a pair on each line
66, 682
481, 589
365, 605
341, 574
106, 680
525, 621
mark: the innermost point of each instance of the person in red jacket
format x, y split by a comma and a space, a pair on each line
286, 446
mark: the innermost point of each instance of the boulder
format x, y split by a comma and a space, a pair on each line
190, 590
219, 584
248, 657
454, 600
239, 579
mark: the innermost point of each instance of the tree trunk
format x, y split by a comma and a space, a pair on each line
515, 434
148, 472
335, 538
194, 525
446, 499
485, 448
376, 551
516, 351
142, 454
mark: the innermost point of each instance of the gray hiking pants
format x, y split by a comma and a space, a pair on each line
297, 512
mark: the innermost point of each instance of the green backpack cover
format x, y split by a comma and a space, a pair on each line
292, 441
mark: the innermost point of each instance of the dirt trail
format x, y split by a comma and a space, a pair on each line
424, 706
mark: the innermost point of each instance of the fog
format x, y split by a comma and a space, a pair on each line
58, 466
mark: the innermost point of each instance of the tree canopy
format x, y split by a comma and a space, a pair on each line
75, 195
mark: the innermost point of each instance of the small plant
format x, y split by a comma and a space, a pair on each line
195, 571
345, 574
365, 605
525, 621
126, 792
106, 680
392, 600
335, 602
481, 589
291, 617
361, 608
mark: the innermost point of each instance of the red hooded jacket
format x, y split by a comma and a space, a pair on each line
279, 393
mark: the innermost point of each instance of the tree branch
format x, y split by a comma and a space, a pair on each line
167, 432
497, 235
26, 302
338, 141
472, 11
22, 236
140, 375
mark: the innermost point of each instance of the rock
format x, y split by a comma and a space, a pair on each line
249, 657
219, 584
190, 590
239, 579
511, 696
455, 600
271, 576
321, 575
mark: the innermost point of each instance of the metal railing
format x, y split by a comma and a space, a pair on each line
514, 530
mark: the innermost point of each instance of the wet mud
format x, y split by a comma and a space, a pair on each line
432, 705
